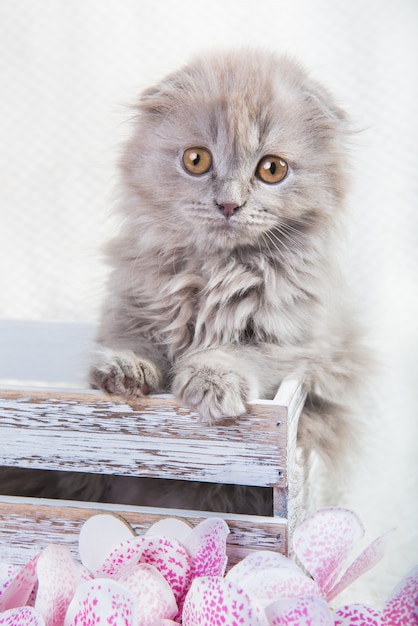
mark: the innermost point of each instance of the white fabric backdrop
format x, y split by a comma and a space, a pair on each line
67, 69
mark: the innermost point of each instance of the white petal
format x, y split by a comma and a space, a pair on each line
274, 583
120, 557
323, 541
98, 536
257, 561
22, 616
20, 588
102, 601
402, 606
7, 574
206, 545
170, 527
371, 555
57, 582
304, 611
155, 599
357, 615
171, 559
214, 600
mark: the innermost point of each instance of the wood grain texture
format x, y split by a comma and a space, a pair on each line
152, 437
28, 525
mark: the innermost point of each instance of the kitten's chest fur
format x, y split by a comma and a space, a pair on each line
230, 300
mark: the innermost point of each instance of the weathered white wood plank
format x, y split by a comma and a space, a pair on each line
289, 501
27, 525
296, 474
154, 437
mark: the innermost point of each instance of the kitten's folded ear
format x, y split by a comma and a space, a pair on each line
154, 100
161, 97
324, 103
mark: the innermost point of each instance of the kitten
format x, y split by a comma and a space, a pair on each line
225, 277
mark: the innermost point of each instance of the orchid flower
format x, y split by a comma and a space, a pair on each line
263, 589
174, 572
47, 582
323, 541
215, 600
271, 589
124, 578
175, 552
400, 610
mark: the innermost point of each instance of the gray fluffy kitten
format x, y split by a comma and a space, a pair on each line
225, 277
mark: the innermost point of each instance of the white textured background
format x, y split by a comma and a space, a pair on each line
67, 69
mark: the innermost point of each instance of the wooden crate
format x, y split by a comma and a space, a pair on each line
152, 437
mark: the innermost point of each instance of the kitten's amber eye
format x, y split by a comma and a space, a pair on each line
272, 169
197, 160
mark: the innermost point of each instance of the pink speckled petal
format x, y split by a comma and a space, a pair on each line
83, 573
165, 622
214, 601
167, 555
102, 601
171, 559
120, 557
357, 615
362, 564
323, 541
98, 536
20, 588
154, 596
304, 611
57, 582
7, 574
257, 561
402, 607
170, 527
269, 584
22, 616
206, 545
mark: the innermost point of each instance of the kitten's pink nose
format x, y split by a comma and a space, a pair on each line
228, 208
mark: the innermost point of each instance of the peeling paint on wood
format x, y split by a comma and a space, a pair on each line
28, 526
151, 437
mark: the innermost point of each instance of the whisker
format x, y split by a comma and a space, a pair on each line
280, 240
267, 236
290, 234
266, 240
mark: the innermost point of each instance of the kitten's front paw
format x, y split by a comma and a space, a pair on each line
214, 392
122, 372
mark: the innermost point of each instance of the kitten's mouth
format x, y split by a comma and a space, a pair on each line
231, 231
229, 226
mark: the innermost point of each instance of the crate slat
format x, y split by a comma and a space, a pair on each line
27, 525
154, 437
